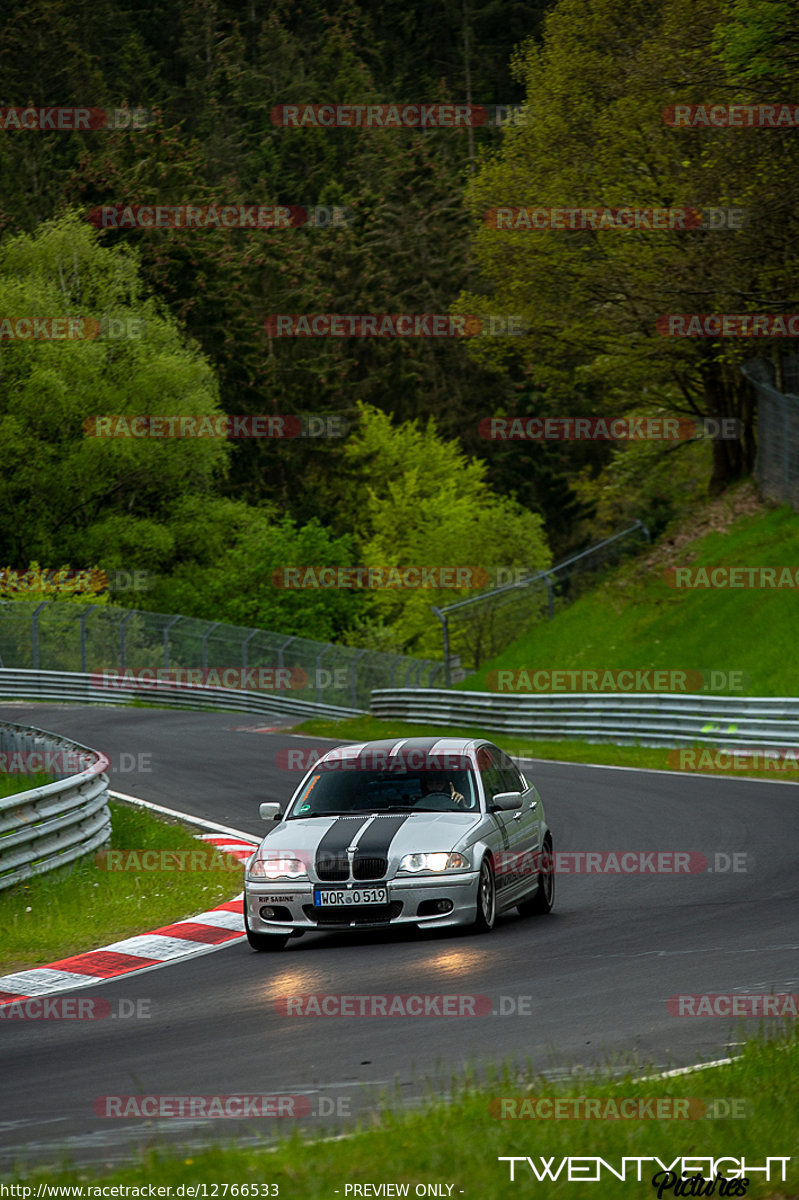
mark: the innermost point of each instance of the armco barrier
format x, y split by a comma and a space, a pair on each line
73, 685
49, 826
649, 720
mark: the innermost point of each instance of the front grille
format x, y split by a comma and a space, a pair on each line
333, 867
369, 868
343, 914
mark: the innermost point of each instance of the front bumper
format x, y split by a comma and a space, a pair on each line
294, 909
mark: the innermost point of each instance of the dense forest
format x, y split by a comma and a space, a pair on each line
411, 480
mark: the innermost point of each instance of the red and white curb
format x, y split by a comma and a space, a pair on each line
183, 939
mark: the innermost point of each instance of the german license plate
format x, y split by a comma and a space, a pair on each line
326, 897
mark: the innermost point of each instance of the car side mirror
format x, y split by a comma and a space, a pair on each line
506, 801
269, 812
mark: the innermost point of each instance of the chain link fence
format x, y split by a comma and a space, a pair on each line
106, 641
777, 465
477, 629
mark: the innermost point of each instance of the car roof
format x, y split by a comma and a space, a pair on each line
435, 747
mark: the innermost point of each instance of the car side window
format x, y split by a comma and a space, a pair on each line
512, 778
490, 773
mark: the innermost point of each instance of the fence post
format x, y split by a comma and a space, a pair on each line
35, 632
210, 629
244, 646
444, 619
354, 669
166, 640
86, 612
122, 642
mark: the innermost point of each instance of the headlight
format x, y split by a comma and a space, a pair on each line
438, 862
277, 868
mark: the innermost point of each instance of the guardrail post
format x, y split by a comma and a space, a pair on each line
35, 633
444, 619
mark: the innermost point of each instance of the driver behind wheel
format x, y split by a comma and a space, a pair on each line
440, 783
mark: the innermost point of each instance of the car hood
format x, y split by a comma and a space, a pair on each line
392, 835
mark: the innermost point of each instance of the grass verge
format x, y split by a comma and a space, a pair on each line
458, 1141
83, 905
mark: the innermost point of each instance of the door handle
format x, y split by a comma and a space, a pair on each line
518, 816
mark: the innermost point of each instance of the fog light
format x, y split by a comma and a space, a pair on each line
433, 908
267, 913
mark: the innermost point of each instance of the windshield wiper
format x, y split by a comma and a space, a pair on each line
334, 813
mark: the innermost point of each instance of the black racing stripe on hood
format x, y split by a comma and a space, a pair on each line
378, 837
338, 837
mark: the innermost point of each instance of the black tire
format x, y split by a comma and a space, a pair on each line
486, 913
264, 941
544, 899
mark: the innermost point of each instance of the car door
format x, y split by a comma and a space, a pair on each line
493, 783
523, 827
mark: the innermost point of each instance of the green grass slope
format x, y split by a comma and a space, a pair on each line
633, 619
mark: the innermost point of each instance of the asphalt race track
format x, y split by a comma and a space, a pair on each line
593, 978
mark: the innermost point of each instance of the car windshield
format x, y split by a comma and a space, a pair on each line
341, 789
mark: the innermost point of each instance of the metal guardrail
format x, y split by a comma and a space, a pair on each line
54, 636
49, 826
72, 685
665, 719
